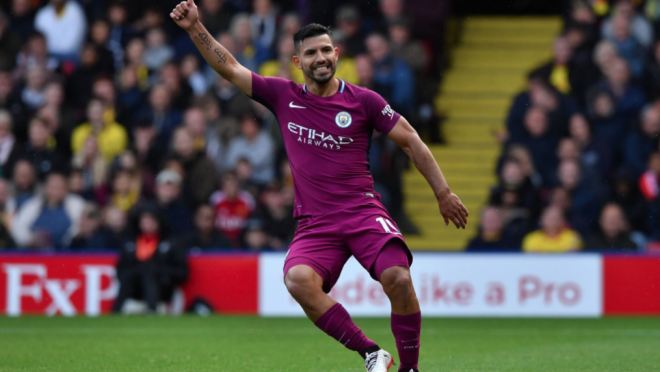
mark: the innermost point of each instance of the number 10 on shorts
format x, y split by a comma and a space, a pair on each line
388, 226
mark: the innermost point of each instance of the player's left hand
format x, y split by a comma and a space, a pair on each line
452, 209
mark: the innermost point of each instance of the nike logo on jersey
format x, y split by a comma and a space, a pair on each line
295, 106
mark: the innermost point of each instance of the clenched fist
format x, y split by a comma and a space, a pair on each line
185, 14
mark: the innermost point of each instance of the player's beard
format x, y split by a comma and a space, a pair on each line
309, 72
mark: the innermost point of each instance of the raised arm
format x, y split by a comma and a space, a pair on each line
450, 205
186, 16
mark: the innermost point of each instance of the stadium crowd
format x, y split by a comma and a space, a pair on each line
580, 165
114, 134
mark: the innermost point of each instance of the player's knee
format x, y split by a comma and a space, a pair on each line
396, 280
300, 282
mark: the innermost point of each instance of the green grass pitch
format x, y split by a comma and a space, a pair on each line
223, 343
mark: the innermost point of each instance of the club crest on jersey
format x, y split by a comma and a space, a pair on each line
343, 119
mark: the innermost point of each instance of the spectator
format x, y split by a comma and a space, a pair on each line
34, 54
393, 74
170, 75
24, 183
91, 234
160, 112
648, 184
283, 66
596, 156
205, 235
255, 145
114, 223
605, 53
51, 220
568, 150
157, 52
560, 197
152, 17
583, 33
607, 122
9, 149
103, 88
521, 155
124, 194
64, 25
627, 45
150, 267
540, 142
37, 151
148, 149
194, 121
111, 136
276, 218
640, 144
120, 31
348, 21
22, 18
244, 175
168, 203
627, 196
100, 37
33, 92
200, 171
248, 53
135, 60
560, 72
491, 236
553, 237
515, 185
640, 27
191, 73
82, 80
130, 97
255, 237
264, 23
651, 78
365, 71
649, 181
403, 46
61, 117
391, 10
613, 233
629, 98
290, 24
92, 166
76, 185
10, 43
11, 101
584, 195
215, 15
233, 207
7, 211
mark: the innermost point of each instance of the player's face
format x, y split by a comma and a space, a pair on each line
317, 58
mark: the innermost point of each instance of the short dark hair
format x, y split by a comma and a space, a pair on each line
311, 30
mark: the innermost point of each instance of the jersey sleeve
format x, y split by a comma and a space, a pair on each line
379, 112
267, 90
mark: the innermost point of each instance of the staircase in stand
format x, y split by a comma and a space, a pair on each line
489, 66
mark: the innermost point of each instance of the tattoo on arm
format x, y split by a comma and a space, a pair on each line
204, 39
414, 161
222, 56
